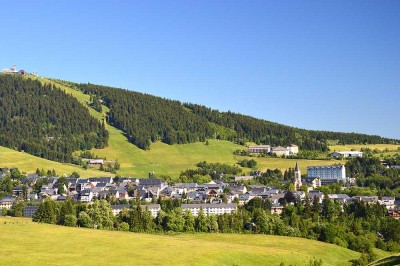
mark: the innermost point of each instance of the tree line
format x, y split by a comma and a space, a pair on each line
146, 119
357, 226
266, 132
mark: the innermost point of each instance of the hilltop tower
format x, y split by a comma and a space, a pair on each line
297, 178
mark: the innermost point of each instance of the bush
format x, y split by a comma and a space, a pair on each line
393, 246
70, 220
123, 226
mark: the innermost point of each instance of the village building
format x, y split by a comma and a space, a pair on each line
29, 211
259, 149
154, 209
279, 151
345, 154
210, 208
388, 202
6, 203
327, 173
243, 178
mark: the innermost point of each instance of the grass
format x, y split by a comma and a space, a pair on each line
28, 163
27, 243
357, 147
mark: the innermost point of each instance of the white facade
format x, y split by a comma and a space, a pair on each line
259, 149
6, 203
327, 174
154, 209
346, 154
293, 149
210, 209
388, 202
279, 151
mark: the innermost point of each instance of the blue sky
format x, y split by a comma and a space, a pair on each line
328, 65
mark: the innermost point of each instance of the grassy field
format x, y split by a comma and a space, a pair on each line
357, 147
28, 163
27, 243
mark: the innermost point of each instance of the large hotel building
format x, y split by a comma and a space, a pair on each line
328, 173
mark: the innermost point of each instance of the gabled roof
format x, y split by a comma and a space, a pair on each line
101, 185
72, 180
7, 199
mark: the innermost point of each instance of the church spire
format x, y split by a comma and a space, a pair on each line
297, 167
297, 177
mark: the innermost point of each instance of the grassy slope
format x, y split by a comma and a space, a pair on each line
386, 261
381, 147
28, 163
28, 243
166, 159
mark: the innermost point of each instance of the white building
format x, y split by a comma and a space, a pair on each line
210, 208
279, 151
6, 203
154, 209
247, 177
11, 70
293, 149
259, 149
86, 195
346, 154
388, 202
328, 173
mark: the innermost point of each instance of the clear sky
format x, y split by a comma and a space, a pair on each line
328, 65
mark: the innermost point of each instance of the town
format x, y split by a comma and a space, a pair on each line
214, 198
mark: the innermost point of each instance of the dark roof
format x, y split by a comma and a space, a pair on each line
72, 180
101, 185
100, 179
297, 167
120, 206
150, 181
32, 176
7, 199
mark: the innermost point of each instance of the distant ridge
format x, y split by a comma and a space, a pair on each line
146, 118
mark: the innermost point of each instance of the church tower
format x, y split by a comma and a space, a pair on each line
297, 178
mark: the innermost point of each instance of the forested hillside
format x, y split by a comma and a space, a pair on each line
146, 118
44, 121
261, 131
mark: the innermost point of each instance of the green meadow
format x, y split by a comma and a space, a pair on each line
28, 163
358, 147
27, 243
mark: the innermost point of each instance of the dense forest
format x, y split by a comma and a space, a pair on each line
44, 121
261, 131
146, 118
